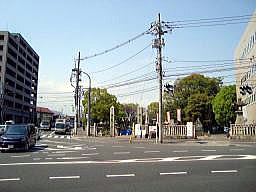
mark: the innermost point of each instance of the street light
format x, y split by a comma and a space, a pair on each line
89, 104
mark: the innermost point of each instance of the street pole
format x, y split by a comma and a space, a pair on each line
160, 76
89, 105
77, 94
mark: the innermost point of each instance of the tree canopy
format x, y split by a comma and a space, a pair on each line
193, 95
224, 105
101, 101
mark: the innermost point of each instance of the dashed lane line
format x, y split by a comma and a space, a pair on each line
208, 150
17, 156
89, 154
236, 149
71, 158
11, 179
183, 151
121, 153
174, 173
225, 171
65, 177
124, 175
151, 151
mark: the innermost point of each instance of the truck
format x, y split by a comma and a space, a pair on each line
61, 127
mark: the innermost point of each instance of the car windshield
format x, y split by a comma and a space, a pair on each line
61, 126
45, 123
16, 130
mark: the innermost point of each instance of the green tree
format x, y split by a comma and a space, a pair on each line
193, 95
130, 110
153, 109
224, 105
101, 101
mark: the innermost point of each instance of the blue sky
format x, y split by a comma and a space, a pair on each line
58, 29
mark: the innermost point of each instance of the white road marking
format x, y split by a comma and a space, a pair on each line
90, 154
120, 153
36, 159
66, 177
148, 160
174, 173
225, 171
208, 150
151, 151
56, 136
58, 152
236, 149
124, 175
48, 158
16, 156
70, 158
117, 146
11, 179
56, 155
184, 151
211, 157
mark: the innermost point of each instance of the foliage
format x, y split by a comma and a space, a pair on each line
130, 110
153, 109
224, 106
193, 95
101, 101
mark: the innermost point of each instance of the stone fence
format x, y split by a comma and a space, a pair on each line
243, 132
179, 131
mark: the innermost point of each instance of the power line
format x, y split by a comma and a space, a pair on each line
207, 19
117, 46
128, 73
122, 62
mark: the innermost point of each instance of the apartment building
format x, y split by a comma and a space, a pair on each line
245, 56
18, 78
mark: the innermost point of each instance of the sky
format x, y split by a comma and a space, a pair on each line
57, 30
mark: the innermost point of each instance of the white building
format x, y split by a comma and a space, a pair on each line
245, 54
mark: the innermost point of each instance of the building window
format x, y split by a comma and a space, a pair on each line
1, 47
1, 58
1, 37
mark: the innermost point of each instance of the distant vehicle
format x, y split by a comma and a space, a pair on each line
45, 125
60, 121
62, 128
18, 137
226, 129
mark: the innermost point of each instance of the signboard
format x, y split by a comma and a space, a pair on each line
137, 129
190, 129
168, 116
178, 114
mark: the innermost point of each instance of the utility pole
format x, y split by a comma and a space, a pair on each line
160, 75
77, 99
159, 28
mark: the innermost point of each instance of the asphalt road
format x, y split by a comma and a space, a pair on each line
59, 163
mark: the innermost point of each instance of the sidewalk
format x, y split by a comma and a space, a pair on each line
212, 140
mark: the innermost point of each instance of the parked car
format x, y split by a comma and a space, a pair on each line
2, 129
18, 137
45, 125
62, 128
